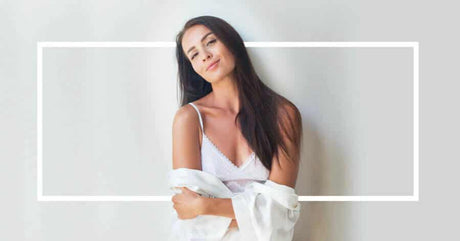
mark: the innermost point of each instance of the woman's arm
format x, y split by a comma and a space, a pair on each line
217, 206
285, 167
185, 136
189, 204
186, 154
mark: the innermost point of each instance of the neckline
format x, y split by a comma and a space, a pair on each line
247, 160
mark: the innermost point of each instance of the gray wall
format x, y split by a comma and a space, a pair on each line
108, 114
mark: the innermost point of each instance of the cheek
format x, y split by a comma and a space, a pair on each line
229, 63
230, 60
196, 68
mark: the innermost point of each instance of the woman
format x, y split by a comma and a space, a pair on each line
230, 123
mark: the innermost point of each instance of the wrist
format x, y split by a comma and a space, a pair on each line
204, 205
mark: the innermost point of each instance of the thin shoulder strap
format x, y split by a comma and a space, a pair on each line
199, 115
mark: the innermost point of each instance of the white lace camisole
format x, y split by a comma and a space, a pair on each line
235, 178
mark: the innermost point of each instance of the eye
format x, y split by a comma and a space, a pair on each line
193, 56
212, 41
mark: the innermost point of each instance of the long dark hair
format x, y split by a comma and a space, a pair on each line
263, 112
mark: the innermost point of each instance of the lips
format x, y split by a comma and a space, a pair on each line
212, 64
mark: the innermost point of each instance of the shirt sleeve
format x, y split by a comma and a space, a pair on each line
266, 211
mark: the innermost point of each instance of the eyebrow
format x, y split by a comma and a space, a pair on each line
206, 35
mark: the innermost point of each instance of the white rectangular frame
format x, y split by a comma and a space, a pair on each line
42, 45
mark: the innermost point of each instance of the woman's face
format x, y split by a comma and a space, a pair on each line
209, 57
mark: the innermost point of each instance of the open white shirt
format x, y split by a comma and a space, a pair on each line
264, 211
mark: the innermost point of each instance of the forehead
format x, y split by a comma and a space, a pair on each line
193, 35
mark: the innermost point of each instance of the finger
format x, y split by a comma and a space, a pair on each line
184, 189
187, 190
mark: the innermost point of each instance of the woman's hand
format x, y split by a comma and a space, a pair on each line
188, 204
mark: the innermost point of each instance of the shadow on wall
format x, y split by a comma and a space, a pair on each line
318, 219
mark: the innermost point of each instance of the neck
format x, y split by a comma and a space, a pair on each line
225, 94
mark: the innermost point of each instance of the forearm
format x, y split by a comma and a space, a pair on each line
218, 206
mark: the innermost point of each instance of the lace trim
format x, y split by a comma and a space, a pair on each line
245, 163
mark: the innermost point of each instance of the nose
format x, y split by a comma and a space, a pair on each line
207, 55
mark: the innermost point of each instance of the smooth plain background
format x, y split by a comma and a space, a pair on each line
108, 114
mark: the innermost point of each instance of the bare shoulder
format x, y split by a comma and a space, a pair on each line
186, 146
184, 115
289, 115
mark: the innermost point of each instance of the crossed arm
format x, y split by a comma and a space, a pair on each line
186, 154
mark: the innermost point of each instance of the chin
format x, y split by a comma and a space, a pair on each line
215, 78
